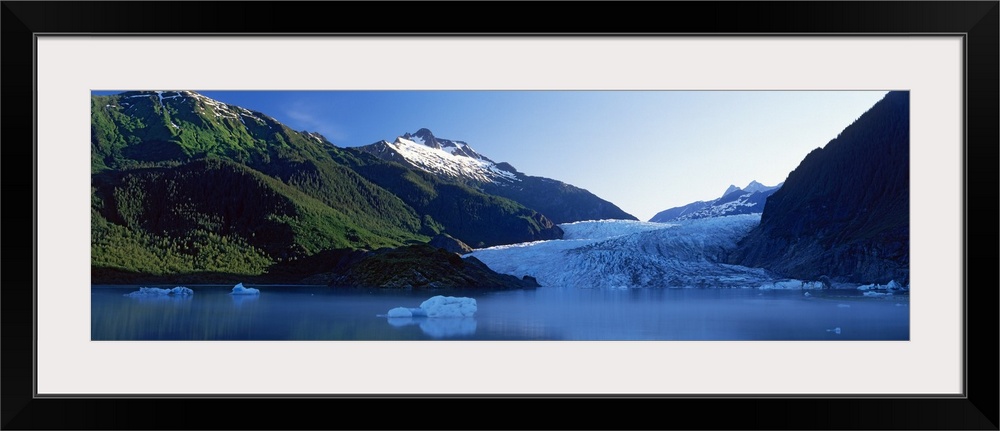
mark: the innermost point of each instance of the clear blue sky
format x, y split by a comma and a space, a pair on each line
645, 151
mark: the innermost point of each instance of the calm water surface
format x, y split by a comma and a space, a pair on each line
548, 313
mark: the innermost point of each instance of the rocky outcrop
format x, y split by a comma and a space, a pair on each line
422, 266
449, 243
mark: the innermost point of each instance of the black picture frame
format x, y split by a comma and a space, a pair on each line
977, 22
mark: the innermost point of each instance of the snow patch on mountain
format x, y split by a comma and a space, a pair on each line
451, 158
730, 189
629, 254
754, 186
748, 200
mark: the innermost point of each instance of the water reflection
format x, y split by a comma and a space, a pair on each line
438, 327
319, 313
240, 300
153, 299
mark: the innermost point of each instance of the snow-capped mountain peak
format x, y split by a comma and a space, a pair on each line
457, 161
459, 148
754, 186
748, 200
441, 156
210, 109
732, 188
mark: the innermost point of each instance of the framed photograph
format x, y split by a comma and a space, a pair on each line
902, 95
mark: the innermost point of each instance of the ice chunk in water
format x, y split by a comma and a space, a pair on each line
439, 306
240, 290
156, 291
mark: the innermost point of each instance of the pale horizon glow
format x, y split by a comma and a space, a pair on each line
644, 151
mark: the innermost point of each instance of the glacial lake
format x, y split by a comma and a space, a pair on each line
546, 313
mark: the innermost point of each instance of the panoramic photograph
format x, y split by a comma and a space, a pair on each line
500, 215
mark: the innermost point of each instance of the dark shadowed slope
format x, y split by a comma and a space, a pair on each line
844, 211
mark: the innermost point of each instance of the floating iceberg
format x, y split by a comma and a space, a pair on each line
449, 306
877, 294
240, 290
156, 291
792, 284
438, 306
407, 312
891, 285
431, 313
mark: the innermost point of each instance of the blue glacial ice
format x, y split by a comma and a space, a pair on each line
439, 306
240, 290
439, 316
629, 254
145, 292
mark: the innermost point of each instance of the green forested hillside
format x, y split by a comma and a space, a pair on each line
186, 187
470, 215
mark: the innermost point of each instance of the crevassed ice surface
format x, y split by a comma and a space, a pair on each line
629, 254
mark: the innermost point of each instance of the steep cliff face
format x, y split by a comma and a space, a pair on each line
844, 211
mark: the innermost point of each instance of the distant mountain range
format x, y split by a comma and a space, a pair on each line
844, 212
458, 161
187, 186
748, 200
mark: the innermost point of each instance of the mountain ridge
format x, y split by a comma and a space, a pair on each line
735, 200
458, 161
181, 145
843, 213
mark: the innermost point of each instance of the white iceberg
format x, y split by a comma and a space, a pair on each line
439, 316
407, 312
240, 290
449, 306
438, 306
156, 291
400, 312
870, 293
789, 284
792, 284
891, 285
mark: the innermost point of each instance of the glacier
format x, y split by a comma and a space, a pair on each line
634, 254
